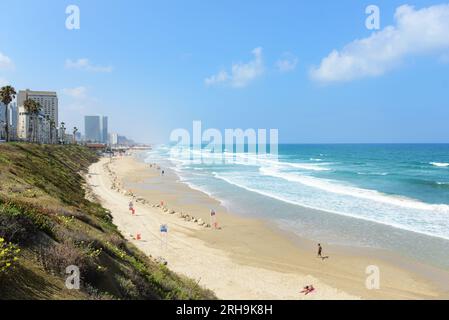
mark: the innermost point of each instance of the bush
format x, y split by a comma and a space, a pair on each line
8, 255
16, 227
95, 294
27, 218
58, 257
128, 288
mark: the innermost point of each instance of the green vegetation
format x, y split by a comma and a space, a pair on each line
8, 255
47, 224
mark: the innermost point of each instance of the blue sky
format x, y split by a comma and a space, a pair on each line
153, 66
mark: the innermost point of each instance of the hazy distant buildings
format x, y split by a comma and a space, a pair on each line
47, 99
113, 139
96, 129
124, 141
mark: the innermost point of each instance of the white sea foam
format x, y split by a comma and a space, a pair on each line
334, 187
440, 164
272, 177
433, 225
189, 156
373, 173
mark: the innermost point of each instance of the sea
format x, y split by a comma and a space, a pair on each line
385, 196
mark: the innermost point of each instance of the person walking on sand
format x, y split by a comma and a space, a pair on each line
320, 250
213, 219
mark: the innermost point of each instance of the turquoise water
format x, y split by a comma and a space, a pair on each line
391, 196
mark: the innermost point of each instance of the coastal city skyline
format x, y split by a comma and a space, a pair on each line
330, 85
95, 128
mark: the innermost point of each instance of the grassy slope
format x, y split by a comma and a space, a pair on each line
44, 212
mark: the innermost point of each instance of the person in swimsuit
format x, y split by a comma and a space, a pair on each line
308, 289
213, 219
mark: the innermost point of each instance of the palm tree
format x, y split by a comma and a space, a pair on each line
29, 106
62, 127
47, 125
75, 130
36, 110
52, 127
33, 109
7, 94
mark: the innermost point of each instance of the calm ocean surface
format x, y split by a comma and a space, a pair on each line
390, 196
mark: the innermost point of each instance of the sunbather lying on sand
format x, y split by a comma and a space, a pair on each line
307, 289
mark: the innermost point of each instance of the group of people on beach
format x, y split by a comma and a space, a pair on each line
213, 221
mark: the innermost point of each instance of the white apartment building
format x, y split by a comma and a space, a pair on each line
33, 128
37, 128
47, 99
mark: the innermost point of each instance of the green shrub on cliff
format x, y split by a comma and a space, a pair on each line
8, 255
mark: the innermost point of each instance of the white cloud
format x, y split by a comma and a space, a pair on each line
287, 62
5, 62
3, 82
222, 76
79, 93
84, 64
78, 99
241, 74
417, 32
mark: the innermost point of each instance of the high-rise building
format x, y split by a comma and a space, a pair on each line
13, 118
47, 99
2, 122
13, 114
32, 128
92, 129
96, 129
104, 130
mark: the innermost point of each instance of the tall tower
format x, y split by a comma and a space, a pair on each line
104, 129
92, 129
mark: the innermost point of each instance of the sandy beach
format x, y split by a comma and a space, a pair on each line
245, 258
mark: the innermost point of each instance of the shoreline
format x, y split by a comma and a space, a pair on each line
261, 262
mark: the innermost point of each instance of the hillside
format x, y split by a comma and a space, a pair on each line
47, 224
